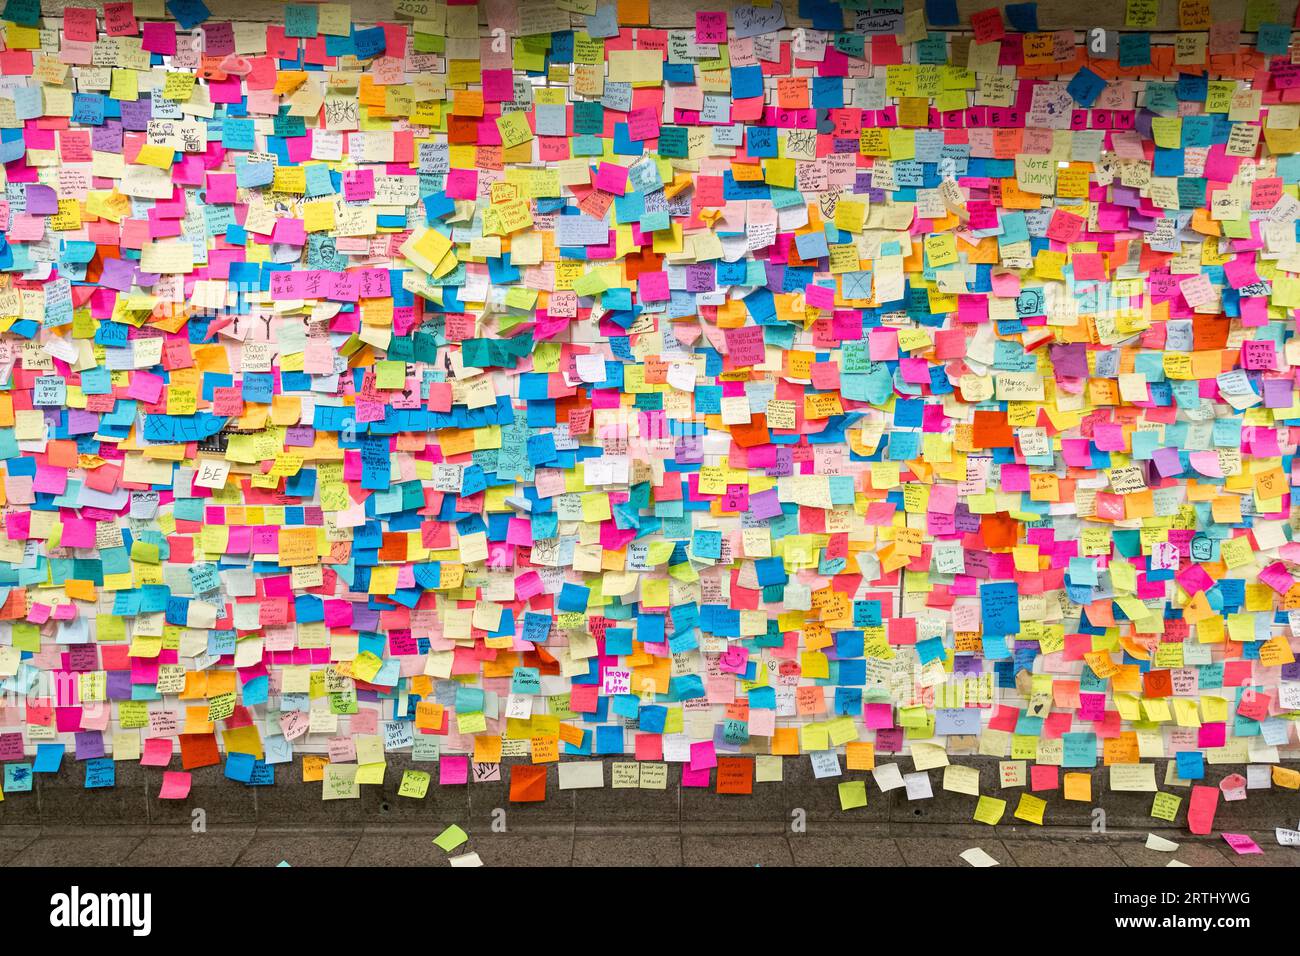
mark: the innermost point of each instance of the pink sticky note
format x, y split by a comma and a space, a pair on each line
1242, 843
291, 231
175, 785
364, 722
710, 26
703, 756
820, 296
462, 183
695, 778
221, 187
1044, 777
653, 287
612, 178
358, 185
745, 345
453, 770
879, 716
1200, 812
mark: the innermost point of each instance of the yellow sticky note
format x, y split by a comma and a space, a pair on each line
990, 809
1031, 808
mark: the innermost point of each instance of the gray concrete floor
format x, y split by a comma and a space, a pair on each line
579, 846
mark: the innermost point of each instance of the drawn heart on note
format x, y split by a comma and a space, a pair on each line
238, 65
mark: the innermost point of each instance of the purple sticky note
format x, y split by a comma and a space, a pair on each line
90, 744
41, 200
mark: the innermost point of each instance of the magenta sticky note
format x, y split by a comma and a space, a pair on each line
453, 770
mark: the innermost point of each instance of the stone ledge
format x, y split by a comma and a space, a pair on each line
60, 801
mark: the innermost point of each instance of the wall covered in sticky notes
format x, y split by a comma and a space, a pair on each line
545, 381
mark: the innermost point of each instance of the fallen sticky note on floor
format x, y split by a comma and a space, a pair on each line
451, 838
977, 857
1160, 843
1177, 863
466, 859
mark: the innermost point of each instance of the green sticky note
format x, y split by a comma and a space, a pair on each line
389, 374
144, 552
853, 794
1165, 806
451, 838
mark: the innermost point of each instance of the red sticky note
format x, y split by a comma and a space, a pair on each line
1200, 812
987, 25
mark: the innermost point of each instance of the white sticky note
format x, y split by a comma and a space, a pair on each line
582, 775
888, 777
1160, 843
977, 857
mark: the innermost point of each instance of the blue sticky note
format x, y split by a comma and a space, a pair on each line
707, 544
24, 12
1191, 764
1079, 750
1083, 571
1000, 608
1022, 17
369, 43
1085, 87
942, 13
100, 772
49, 757
746, 82
240, 767
1134, 50
1273, 39
188, 13
18, 778
603, 23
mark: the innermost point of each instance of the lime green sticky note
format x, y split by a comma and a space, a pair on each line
853, 794
390, 374
451, 838
514, 129
415, 784
144, 552
1164, 806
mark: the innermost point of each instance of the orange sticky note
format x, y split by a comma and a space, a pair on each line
527, 783
313, 768
860, 755
487, 749
1078, 786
